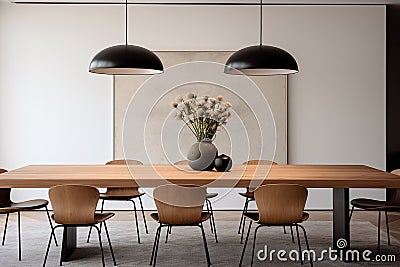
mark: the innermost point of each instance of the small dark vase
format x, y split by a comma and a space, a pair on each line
223, 163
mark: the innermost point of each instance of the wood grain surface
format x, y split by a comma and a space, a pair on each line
311, 176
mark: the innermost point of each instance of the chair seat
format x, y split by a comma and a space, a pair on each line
305, 216
7, 210
373, 204
248, 194
366, 203
252, 215
101, 217
98, 218
120, 197
30, 204
204, 217
255, 217
211, 195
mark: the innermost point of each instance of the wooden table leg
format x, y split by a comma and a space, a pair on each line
341, 223
68, 243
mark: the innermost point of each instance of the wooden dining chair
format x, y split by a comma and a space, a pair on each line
208, 205
249, 196
124, 194
278, 205
179, 206
391, 204
75, 206
7, 206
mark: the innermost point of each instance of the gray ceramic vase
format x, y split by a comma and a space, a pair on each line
201, 155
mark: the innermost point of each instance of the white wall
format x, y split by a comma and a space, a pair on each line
337, 102
53, 111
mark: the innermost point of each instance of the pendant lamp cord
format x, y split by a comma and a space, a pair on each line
126, 22
261, 21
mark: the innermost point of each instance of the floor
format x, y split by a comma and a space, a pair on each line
394, 218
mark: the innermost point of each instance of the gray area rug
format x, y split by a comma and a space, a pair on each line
185, 247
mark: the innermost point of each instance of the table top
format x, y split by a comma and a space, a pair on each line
311, 176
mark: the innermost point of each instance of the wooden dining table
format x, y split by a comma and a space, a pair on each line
338, 177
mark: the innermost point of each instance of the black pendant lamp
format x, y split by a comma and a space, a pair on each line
261, 59
126, 59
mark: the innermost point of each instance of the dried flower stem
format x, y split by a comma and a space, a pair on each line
202, 117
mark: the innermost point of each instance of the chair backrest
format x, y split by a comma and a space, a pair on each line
179, 204
74, 204
260, 162
5, 199
182, 162
123, 191
280, 203
393, 194
124, 162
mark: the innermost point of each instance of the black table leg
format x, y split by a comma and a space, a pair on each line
68, 243
341, 223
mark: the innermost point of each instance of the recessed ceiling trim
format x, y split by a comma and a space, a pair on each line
210, 3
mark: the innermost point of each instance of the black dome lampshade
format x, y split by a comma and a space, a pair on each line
126, 59
261, 60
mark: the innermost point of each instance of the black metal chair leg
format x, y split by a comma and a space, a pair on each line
254, 244
205, 245
291, 232
284, 230
351, 213
299, 244
156, 248
5, 229
242, 217
167, 234
154, 244
101, 211
379, 232
243, 226
212, 221
48, 246
144, 217
307, 244
208, 204
90, 232
387, 227
19, 236
61, 253
102, 206
90, 229
247, 206
51, 225
109, 243
245, 244
101, 245
136, 219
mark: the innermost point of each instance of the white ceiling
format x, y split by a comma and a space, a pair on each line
344, 2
